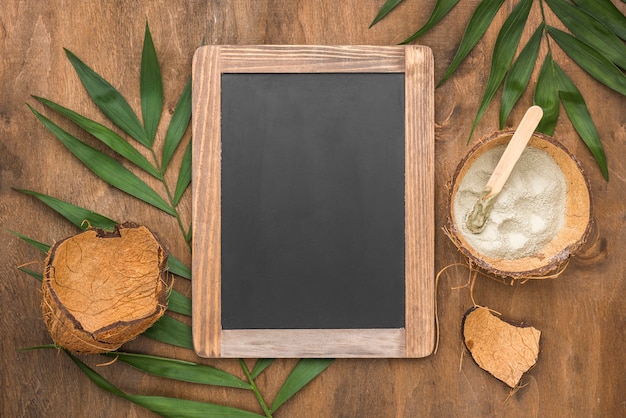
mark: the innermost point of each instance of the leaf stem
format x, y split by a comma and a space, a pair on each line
255, 389
545, 25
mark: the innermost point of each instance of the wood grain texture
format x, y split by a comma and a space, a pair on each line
206, 205
419, 202
314, 343
581, 365
311, 59
416, 62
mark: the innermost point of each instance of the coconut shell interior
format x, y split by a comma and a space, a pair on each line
103, 288
578, 212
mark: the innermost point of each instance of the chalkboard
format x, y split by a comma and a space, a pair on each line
312, 202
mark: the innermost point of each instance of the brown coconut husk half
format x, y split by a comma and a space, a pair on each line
103, 288
552, 259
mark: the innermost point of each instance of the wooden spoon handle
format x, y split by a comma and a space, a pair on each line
513, 151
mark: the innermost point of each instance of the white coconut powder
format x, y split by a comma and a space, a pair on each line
528, 212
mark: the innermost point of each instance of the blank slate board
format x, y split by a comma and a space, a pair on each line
312, 179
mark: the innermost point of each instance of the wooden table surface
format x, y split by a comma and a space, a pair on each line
580, 371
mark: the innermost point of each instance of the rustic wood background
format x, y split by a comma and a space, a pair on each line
582, 315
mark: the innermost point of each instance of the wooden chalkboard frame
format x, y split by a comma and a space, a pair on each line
417, 337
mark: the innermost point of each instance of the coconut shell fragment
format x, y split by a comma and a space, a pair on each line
505, 350
103, 288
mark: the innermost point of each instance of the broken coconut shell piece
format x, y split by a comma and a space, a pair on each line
505, 350
103, 288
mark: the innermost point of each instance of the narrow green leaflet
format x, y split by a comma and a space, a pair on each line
170, 331
106, 136
476, 28
189, 234
384, 10
589, 30
305, 371
100, 381
75, 214
175, 266
184, 175
38, 245
578, 113
179, 303
503, 52
607, 13
518, 76
180, 370
150, 87
164, 406
177, 126
182, 408
109, 100
547, 96
107, 168
590, 60
441, 9
40, 347
35, 274
260, 366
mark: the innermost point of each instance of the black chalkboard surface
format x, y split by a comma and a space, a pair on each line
312, 201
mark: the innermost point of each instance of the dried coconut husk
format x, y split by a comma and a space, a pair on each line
504, 349
103, 288
551, 259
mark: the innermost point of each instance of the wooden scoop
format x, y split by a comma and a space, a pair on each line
477, 218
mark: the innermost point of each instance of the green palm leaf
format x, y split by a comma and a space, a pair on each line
518, 76
177, 127
150, 87
35, 274
109, 100
547, 96
170, 331
180, 370
260, 366
106, 136
75, 214
590, 31
441, 9
164, 406
106, 167
305, 371
179, 303
384, 10
476, 28
184, 175
177, 267
503, 52
39, 245
590, 60
182, 408
577, 111
607, 13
